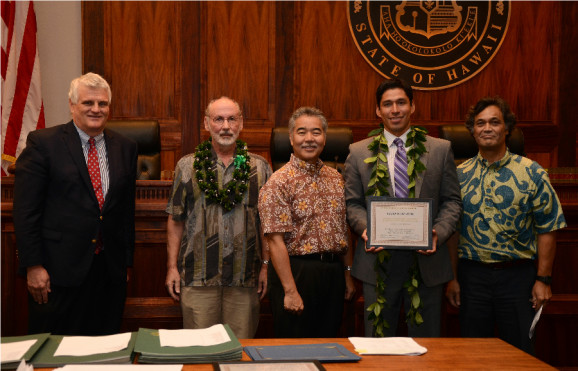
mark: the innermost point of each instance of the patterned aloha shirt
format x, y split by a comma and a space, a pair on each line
506, 204
218, 248
307, 202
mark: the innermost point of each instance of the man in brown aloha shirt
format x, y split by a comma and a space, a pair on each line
214, 249
302, 209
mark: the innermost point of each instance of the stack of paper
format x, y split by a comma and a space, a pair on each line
61, 350
16, 348
387, 346
216, 343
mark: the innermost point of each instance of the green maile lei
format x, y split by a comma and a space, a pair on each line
377, 186
232, 192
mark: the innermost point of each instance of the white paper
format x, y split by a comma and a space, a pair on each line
23, 366
388, 346
535, 321
89, 345
12, 352
120, 368
201, 337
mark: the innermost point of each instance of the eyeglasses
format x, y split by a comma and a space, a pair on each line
220, 120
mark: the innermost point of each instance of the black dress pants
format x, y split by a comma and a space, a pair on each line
93, 308
321, 285
497, 297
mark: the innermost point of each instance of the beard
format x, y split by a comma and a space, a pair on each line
225, 141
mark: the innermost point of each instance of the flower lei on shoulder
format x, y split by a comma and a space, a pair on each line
378, 183
232, 192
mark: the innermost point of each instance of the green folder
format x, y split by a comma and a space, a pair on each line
40, 340
148, 345
46, 358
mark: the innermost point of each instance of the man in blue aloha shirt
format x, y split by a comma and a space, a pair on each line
510, 216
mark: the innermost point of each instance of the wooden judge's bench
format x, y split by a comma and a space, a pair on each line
148, 304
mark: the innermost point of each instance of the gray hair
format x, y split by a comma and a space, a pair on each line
208, 109
90, 80
308, 111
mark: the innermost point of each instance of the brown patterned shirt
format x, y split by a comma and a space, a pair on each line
218, 248
307, 202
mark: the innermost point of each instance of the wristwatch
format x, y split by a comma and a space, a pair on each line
545, 279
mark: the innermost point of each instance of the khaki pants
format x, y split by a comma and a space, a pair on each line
207, 306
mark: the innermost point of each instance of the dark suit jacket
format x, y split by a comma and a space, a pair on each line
438, 182
56, 213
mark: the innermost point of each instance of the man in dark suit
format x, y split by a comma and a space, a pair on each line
438, 181
74, 202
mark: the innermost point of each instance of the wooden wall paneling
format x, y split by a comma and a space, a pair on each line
93, 38
284, 62
190, 106
329, 71
236, 45
138, 47
14, 315
568, 76
239, 62
145, 77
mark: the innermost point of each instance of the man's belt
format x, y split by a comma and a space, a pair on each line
502, 265
324, 257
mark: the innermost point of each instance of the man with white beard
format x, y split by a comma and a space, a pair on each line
216, 261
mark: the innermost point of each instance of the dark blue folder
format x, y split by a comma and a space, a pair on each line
327, 352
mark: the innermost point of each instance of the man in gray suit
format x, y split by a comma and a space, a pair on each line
438, 181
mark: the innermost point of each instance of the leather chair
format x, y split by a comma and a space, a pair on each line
146, 133
334, 154
465, 147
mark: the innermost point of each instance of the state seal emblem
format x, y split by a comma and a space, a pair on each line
431, 44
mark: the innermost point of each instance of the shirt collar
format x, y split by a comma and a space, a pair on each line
498, 164
85, 137
390, 137
306, 166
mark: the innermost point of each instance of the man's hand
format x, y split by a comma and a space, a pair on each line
376, 249
434, 244
453, 293
173, 283
349, 286
38, 283
541, 294
372, 249
262, 285
293, 303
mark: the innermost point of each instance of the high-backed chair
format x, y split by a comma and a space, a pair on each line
465, 147
334, 154
146, 133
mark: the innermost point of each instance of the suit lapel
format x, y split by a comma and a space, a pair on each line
419, 181
112, 152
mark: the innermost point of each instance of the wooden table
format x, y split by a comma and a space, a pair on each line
443, 353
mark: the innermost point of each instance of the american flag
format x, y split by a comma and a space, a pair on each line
22, 108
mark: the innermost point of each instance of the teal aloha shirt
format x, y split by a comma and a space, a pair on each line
506, 204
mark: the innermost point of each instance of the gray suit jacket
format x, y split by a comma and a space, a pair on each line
438, 182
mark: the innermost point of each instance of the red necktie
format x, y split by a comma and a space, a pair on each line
94, 171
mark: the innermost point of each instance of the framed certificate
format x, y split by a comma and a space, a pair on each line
399, 223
